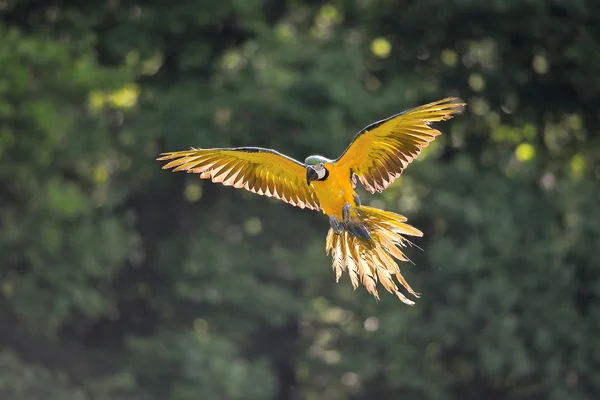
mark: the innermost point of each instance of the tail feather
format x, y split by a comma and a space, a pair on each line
350, 264
339, 262
371, 259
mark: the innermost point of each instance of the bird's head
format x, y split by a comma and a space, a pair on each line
315, 169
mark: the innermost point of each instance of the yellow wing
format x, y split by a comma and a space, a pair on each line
380, 152
258, 170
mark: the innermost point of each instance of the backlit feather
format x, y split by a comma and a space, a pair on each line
262, 171
381, 151
372, 261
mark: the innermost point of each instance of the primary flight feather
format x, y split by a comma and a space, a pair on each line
364, 240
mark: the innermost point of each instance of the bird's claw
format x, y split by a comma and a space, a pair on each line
357, 200
346, 213
335, 224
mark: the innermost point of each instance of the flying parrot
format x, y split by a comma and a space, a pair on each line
362, 240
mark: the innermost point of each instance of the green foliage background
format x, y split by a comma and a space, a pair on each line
119, 280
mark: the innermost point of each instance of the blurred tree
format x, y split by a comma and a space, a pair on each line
122, 281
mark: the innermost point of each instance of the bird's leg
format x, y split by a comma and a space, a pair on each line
346, 213
335, 224
354, 227
357, 199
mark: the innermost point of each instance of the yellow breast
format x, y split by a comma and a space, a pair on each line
334, 192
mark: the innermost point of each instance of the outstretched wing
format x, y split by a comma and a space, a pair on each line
258, 170
380, 152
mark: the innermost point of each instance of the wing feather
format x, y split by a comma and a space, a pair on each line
262, 171
381, 151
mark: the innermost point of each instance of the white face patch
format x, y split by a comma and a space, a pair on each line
321, 173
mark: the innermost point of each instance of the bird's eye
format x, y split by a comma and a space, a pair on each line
321, 165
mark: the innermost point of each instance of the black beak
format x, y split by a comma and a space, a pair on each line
311, 175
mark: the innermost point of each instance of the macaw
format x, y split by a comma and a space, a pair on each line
363, 240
